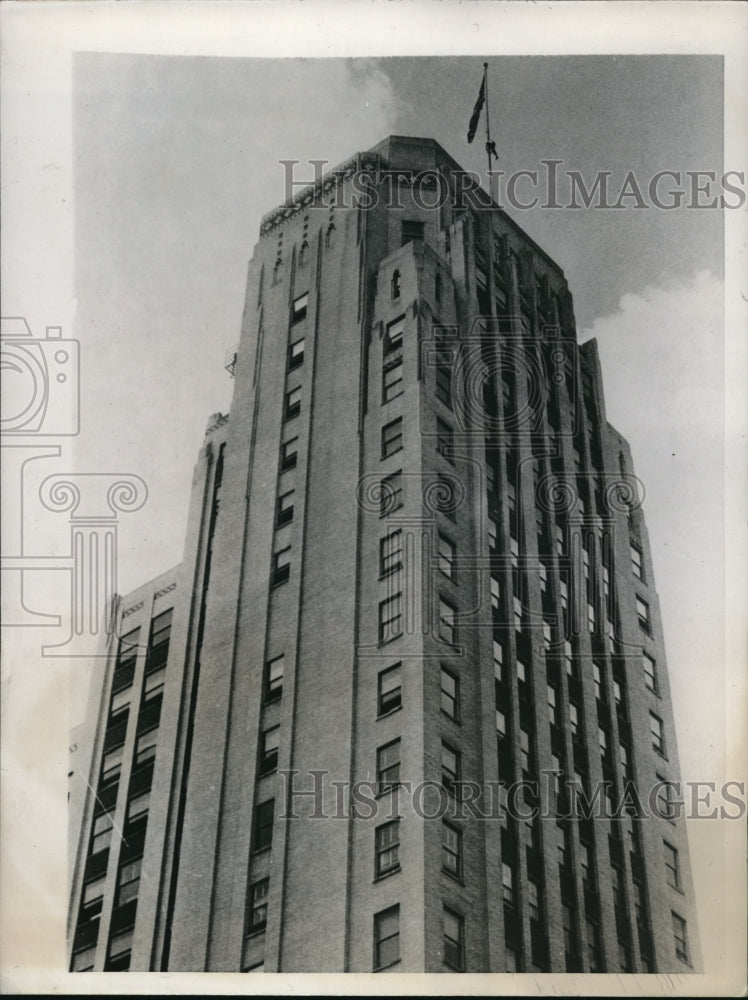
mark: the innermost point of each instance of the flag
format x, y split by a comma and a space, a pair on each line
475, 117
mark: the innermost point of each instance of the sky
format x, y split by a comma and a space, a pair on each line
173, 159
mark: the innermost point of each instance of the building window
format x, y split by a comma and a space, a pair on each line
390, 618
257, 906
296, 354
392, 380
138, 807
524, 750
658, 733
517, 611
386, 938
93, 898
387, 846
500, 724
388, 766
642, 613
672, 865
270, 740
573, 719
83, 961
593, 946
293, 403
450, 694
507, 882
454, 943
552, 711
274, 678
444, 439
120, 700
598, 681
523, 671
389, 690
153, 684
498, 660
395, 285
567, 922
636, 561
128, 881
680, 936
450, 767
667, 807
444, 381
650, 673
533, 900
392, 437
393, 339
447, 614
391, 553
112, 765
492, 534
562, 835
289, 454
391, 494
298, 312
120, 947
451, 849
281, 566
284, 509
410, 231
602, 740
101, 836
495, 593
446, 556
263, 831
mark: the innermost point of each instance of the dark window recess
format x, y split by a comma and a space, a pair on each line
386, 938
391, 553
392, 380
263, 830
289, 454
388, 766
387, 846
150, 714
391, 494
296, 354
454, 940
158, 645
293, 403
299, 308
392, 437
389, 694
274, 678
269, 750
395, 285
284, 509
257, 906
411, 231
281, 566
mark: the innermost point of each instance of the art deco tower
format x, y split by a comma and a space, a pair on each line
415, 617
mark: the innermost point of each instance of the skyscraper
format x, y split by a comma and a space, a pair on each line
404, 704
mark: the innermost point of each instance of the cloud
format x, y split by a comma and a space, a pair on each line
662, 358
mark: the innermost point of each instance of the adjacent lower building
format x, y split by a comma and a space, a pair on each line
404, 705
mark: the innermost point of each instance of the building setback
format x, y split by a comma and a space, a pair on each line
416, 607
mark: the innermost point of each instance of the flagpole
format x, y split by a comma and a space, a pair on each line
488, 132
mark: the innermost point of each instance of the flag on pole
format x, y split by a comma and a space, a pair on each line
475, 117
